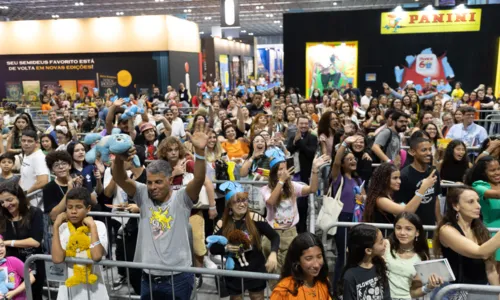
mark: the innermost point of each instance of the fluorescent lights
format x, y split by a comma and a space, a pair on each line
251, 33
55, 16
4, 7
269, 15
208, 18
281, 26
201, 32
259, 7
78, 3
159, 0
187, 10
119, 13
243, 31
277, 21
334, 3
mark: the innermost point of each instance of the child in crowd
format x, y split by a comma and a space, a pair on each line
68, 229
13, 268
365, 274
7, 161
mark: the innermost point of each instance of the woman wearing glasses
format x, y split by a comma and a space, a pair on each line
237, 217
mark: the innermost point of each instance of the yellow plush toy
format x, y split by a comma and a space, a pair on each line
79, 242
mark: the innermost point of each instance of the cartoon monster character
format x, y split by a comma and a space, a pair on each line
160, 221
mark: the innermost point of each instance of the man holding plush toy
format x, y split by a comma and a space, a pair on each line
163, 237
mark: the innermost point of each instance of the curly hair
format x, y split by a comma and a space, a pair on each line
450, 164
379, 187
164, 146
53, 156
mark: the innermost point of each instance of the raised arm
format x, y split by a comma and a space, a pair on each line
451, 238
120, 175
199, 140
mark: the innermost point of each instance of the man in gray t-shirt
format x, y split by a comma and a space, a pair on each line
164, 222
387, 142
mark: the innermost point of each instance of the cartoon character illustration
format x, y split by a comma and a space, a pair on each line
393, 22
160, 221
424, 68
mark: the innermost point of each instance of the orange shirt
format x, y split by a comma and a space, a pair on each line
235, 150
477, 106
46, 106
284, 288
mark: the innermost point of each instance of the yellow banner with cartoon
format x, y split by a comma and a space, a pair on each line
429, 21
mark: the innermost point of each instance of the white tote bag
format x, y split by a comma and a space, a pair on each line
331, 209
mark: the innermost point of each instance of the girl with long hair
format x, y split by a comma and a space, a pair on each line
348, 111
21, 123
458, 116
484, 177
280, 196
407, 106
365, 274
364, 167
47, 143
21, 227
397, 104
259, 124
379, 205
464, 241
328, 124
305, 273
84, 174
92, 120
373, 121
237, 216
434, 134
382, 103
455, 162
405, 247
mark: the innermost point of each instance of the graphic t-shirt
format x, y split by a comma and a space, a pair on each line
411, 180
363, 284
285, 215
163, 237
13, 269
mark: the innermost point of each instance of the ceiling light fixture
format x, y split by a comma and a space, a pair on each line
55, 16
208, 18
78, 3
243, 31
201, 32
334, 3
277, 21
251, 33
120, 13
259, 7
281, 26
159, 0
187, 10
4, 7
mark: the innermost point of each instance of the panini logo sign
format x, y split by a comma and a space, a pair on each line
430, 21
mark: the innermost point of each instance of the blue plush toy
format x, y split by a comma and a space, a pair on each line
5, 287
111, 144
131, 111
219, 239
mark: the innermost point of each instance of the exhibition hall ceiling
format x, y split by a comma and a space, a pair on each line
263, 17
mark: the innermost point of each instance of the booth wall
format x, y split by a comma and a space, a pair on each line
99, 35
177, 61
473, 55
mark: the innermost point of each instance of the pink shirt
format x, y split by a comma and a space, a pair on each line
286, 214
14, 269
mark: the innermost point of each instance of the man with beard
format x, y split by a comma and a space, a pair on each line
387, 143
412, 177
163, 237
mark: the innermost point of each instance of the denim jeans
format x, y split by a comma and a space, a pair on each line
161, 286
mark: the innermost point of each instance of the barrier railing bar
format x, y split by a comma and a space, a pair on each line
112, 263
476, 288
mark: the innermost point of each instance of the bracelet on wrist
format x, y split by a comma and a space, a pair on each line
12, 243
486, 152
344, 144
281, 182
197, 156
419, 195
212, 207
93, 245
425, 290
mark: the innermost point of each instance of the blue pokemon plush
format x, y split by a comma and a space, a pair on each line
111, 144
130, 111
5, 287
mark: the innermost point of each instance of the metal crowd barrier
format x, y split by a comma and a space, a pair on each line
474, 288
125, 264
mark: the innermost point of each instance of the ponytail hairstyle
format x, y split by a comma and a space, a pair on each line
362, 237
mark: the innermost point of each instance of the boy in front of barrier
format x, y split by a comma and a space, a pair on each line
78, 235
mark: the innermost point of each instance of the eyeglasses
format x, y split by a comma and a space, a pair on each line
60, 164
239, 201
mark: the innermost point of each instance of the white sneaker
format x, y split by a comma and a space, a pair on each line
207, 263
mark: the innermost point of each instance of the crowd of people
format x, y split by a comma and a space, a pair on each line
388, 156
